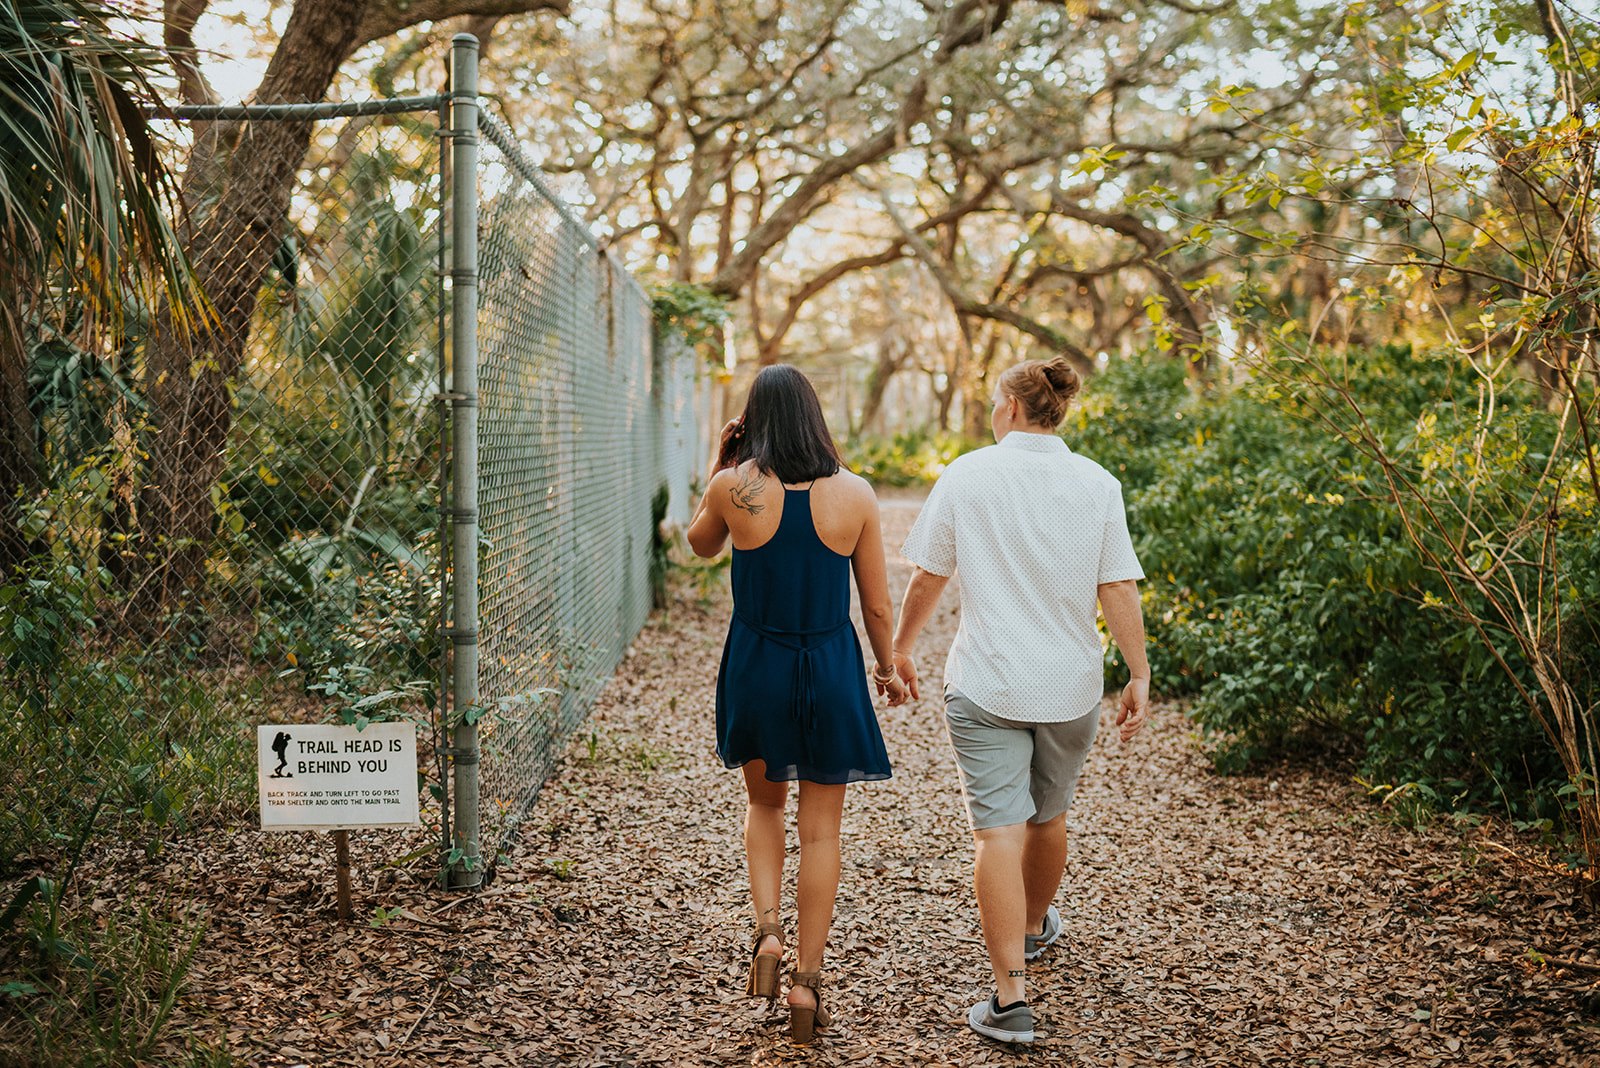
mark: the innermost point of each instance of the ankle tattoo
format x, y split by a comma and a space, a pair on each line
1017, 974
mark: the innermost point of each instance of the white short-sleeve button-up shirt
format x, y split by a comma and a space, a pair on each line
1030, 529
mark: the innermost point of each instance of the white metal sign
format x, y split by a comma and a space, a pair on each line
323, 777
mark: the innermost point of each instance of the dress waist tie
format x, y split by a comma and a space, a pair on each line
804, 643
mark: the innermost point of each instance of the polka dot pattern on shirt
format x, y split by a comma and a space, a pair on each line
1030, 530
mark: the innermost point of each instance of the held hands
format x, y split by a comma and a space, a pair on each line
890, 685
1133, 710
906, 668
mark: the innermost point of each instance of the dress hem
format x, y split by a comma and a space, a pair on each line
798, 773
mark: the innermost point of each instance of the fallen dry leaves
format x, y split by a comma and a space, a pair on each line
1266, 919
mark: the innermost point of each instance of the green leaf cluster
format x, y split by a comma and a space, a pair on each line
692, 311
910, 458
1284, 594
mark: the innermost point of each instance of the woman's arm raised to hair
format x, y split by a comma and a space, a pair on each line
708, 530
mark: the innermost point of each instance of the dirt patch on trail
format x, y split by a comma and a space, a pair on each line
1267, 919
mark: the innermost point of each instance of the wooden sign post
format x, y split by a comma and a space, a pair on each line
323, 777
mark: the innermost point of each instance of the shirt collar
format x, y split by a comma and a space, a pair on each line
1018, 439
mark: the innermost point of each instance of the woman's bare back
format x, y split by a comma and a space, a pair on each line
841, 506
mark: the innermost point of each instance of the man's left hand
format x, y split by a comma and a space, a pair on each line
1133, 711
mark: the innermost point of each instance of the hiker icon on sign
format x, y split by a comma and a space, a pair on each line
280, 745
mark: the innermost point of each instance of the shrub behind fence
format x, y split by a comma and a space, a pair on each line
326, 586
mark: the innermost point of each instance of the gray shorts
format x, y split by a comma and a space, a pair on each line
1012, 771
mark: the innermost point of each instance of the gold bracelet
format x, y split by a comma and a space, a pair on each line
884, 679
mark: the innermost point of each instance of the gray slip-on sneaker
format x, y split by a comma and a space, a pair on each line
1037, 943
1013, 1025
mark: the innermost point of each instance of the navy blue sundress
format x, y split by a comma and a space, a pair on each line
792, 690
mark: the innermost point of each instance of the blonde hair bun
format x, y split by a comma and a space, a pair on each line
1043, 387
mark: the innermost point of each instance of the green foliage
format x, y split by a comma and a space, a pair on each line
692, 311
1131, 415
83, 195
1283, 590
350, 599
660, 545
1458, 184
90, 990
906, 459
109, 1000
154, 732
43, 610
707, 576
359, 627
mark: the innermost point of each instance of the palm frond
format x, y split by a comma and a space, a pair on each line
85, 204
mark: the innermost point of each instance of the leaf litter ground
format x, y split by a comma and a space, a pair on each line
1268, 919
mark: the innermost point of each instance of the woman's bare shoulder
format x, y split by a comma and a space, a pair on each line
849, 487
845, 480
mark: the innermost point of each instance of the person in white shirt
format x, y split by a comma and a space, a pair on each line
1036, 536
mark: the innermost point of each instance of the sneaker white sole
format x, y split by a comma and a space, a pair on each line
977, 1019
1046, 943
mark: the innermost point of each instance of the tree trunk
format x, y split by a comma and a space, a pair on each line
946, 397
19, 462
893, 350
237, 188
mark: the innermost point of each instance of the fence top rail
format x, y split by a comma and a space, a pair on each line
325, 110
500, 135
502, 138
495, 131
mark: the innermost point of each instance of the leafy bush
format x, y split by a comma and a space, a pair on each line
906, 459
159, 733
1283, 590
1130, 415
91, 989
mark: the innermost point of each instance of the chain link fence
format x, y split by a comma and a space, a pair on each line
324, 588
586, 434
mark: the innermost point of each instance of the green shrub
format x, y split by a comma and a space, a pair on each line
98, 990
1130, 415
161, 733
906, 459
1284, 593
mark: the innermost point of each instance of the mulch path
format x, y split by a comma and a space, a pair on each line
1276, 918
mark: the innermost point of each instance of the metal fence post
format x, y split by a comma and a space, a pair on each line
468, 869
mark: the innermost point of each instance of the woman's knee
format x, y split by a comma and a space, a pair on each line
821, 811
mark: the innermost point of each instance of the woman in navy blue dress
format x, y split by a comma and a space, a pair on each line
792, 696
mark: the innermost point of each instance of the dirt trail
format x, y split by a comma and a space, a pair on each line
1267, 919
1211, 921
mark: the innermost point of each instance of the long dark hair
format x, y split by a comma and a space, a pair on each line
784, 430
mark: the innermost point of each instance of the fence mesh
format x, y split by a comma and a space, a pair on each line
582, 439
319, 590
134, 682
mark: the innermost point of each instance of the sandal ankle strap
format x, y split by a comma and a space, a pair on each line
765, 929
811, 980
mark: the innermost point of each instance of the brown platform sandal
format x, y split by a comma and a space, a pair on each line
803, 1020
764, 966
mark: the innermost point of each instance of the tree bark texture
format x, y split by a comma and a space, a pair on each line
237, 190
893, 352
19, 464
380, 18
